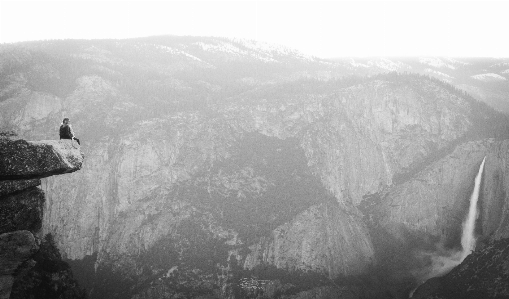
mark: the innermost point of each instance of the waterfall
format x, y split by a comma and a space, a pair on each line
468, 237
442, 260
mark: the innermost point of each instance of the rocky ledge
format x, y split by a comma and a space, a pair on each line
21, 159
22, 164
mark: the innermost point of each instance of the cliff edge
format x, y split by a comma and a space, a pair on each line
22, 164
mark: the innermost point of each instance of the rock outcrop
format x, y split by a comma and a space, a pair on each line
11, 186
22, 164
483, 274
22, 210
15, 248
22, 160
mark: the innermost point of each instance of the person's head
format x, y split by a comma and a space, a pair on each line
65, 121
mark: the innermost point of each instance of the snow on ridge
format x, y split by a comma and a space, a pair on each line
382, 63
180, 52
455, 61
500, 64
435, 62
357, 64
177, 52
264, 51
489, 77
262, 46
389, 65
220, 47
271, 48
167, 49
437, 73
230, 48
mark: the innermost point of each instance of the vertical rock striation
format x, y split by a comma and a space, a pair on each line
328, 238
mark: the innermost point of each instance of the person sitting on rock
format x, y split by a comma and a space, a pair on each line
66, 131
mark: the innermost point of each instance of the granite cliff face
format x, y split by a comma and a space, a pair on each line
362, 137
324, 239
22, 164
235, 168
422, 217
441, 193
203, 169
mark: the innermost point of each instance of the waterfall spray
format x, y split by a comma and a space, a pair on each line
444, 261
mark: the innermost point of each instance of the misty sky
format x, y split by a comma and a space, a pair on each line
323, 29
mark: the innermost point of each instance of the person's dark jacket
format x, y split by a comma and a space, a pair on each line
65, 132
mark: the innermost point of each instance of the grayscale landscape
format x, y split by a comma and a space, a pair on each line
232, 168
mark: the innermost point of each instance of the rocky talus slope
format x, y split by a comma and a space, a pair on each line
22, 164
